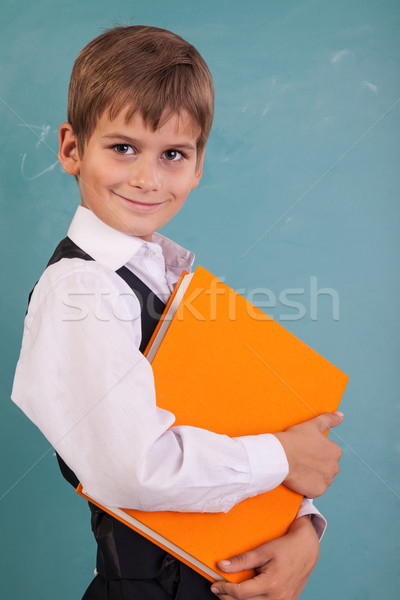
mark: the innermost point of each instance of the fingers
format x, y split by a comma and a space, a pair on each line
240, 591
243, 562
328, 420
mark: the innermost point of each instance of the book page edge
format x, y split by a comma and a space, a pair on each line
166, 543
169, 316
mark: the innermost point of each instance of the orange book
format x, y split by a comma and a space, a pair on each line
222, 364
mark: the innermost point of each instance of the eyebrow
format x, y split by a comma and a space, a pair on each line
128, 140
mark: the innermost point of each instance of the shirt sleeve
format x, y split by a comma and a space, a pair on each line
319, 522
82, 380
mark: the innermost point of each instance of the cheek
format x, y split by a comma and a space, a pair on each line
184, 186
101, 178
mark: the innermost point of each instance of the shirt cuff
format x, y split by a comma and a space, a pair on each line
268, 462
319, 522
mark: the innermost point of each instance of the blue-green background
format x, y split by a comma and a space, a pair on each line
304, 160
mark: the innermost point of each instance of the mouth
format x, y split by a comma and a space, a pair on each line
140, 206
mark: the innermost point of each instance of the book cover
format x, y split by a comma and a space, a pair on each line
224, 365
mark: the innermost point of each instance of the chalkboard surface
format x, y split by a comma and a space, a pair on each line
298, 208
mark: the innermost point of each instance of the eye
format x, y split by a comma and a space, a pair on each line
173, 155
123, 149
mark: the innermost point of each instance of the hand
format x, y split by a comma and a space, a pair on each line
313, 459
282, 566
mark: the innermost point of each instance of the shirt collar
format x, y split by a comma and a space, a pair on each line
114, 249
175, 256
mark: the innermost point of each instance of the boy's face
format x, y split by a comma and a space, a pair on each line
133, 178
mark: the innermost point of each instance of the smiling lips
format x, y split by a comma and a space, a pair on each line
142, 206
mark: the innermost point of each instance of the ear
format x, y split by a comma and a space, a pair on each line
68, 154
199, 170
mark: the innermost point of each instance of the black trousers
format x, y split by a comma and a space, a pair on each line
175, 582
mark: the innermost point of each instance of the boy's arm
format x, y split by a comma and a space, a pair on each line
82, 380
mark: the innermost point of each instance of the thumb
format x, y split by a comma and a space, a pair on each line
328, 420
245, 561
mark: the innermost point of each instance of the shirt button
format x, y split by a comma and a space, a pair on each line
149, 252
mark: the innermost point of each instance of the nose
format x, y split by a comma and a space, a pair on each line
144, 174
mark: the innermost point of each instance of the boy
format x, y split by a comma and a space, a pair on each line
140, 110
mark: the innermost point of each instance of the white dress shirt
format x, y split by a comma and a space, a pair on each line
83, 381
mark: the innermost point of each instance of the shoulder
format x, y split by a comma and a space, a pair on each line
73, 283
76, 274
